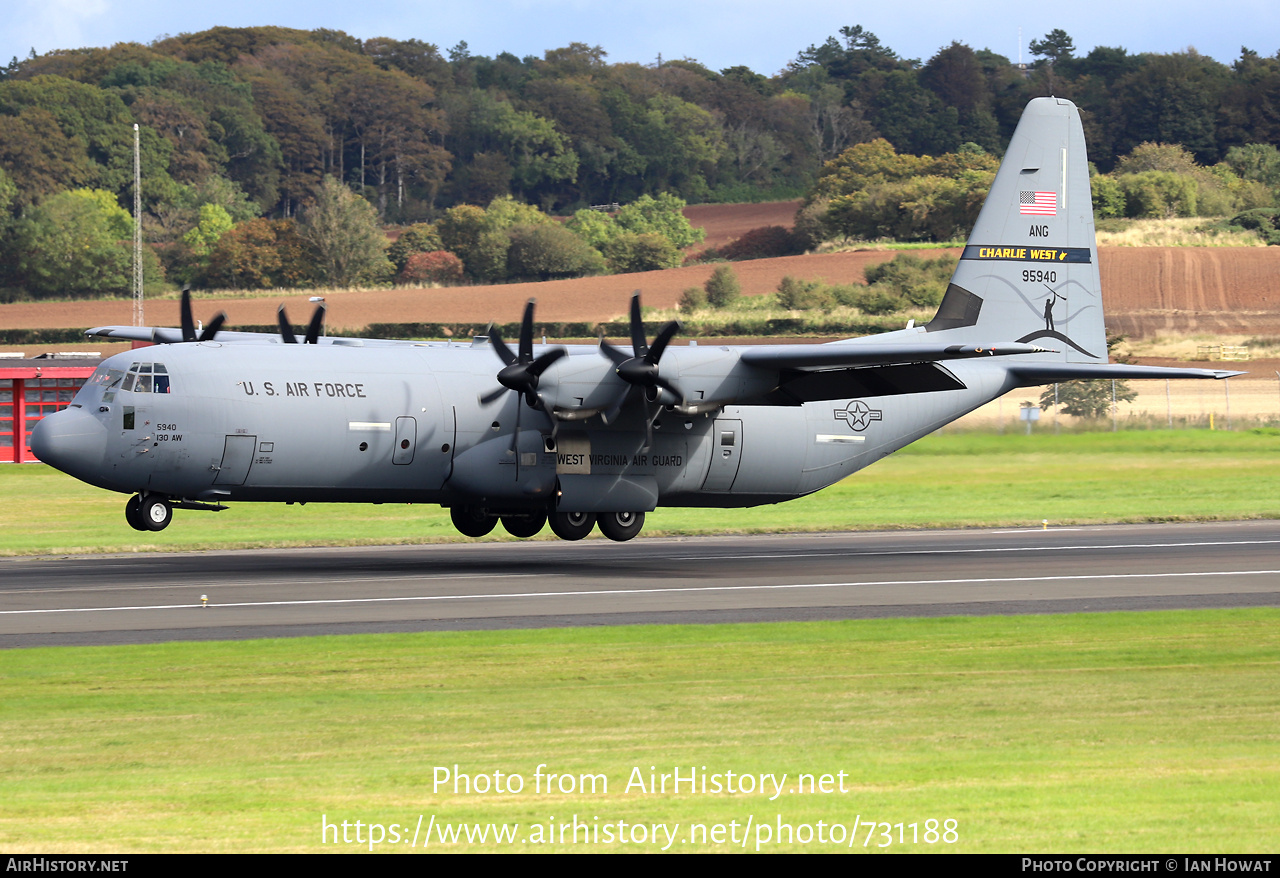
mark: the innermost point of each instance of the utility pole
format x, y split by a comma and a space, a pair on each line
137, 230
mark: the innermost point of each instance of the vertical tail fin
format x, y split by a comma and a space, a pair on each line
1029, 271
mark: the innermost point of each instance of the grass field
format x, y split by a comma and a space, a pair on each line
1111, 732
1121, 732
946, 480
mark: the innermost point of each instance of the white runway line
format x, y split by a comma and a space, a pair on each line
646, 591
855, 553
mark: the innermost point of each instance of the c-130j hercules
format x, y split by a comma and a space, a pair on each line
591, 435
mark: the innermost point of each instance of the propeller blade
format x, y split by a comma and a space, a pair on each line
214, 325
617, 356
188, 322
611, 414
492, 395
515, 434
540, 365
660, 343
641, 369
504, 352
638, 343
316, 324
526, 333
667, 385
286, 330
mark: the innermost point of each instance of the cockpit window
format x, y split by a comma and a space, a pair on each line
147, 378
106, 379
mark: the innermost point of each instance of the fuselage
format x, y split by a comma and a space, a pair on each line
335, 423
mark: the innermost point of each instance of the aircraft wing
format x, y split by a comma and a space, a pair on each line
167, 335
843, 356
173, 335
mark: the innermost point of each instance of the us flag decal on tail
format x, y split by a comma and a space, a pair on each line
1038, 203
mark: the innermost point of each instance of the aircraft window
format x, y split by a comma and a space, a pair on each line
144, 367
108, 377
144, 384
159, 367
161, 383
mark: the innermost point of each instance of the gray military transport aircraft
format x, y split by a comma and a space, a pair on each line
597, 435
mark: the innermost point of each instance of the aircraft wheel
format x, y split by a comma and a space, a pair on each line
572, 525
133, 513
524, 526
155, 513
621, 526
471, 522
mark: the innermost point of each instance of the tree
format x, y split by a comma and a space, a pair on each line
1256, 161
628, 252
549, 250
261, 254
8, 199
418, 238
722, 287
1055, 46
663, 215
343, 230
214, 223
1087, 399
438, 267
76, 244
536, 152
873, 193
1171, 99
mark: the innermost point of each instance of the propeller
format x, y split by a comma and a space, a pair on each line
313, 328
189, 323
521, 371
640, 370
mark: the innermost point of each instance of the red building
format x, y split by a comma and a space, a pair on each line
31, 389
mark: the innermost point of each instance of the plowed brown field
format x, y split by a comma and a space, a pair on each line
589, 298
1146, 291
726, 222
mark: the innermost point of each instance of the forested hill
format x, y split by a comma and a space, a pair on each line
272, 157
415, 130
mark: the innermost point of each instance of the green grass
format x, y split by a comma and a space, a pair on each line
945, 480
1110, 732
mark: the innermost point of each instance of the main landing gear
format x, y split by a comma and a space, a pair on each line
621, 526
572, 525
151, 512
618, 526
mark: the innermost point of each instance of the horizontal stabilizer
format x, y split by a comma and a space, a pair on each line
1033, 374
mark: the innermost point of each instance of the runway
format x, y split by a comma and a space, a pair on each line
134, 598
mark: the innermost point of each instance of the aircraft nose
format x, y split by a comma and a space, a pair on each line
70, 440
